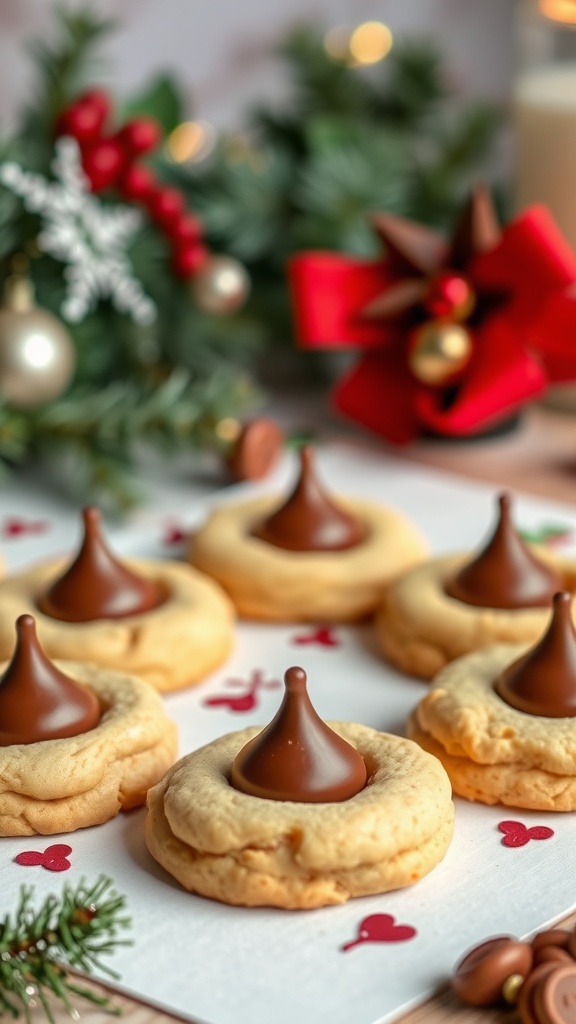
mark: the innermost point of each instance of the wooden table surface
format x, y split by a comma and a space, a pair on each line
539, 458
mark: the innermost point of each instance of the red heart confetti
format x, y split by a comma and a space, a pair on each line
54, 858
322, 635
174, 534
15, 526
380, 928
241, 702
516, 834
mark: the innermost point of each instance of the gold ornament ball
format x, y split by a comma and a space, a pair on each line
37, 356
438, 352
221, 286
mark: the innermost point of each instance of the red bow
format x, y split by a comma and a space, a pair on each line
523, 335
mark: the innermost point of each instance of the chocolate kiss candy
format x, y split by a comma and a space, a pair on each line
37, 701
96, 585
309, 520
505, 574
298, 757
479, 977
554, 997
543, 681
256, 449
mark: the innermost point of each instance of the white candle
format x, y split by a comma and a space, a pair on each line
545, 121
545, 115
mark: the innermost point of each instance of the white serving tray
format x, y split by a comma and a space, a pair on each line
223, 964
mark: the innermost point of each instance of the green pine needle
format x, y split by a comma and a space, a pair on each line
75, 930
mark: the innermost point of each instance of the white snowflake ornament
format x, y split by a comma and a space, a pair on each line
82, 232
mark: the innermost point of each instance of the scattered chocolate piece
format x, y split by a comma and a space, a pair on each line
505, 574
543, 681
37, 701
478, 979
551, 937
298, 757
526, 995
552, 955
96, 585
554, 996
309, 520
256, 450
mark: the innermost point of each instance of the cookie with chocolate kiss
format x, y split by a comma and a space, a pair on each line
302, 813
306, 558
503, 720
79, 743
454, 604
160, 620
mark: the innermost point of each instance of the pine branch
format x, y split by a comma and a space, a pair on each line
338, 188
75, 929
88, 441
320, 83
66, 64
63, 69
464, 142
244, 203
414, 85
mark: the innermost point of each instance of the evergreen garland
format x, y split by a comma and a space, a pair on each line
75, 930
166, 385
350, 142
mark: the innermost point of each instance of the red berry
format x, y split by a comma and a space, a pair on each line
186, 229
140, 135
166, 206
98, 99
449, 295
84, 119
103, 163
137, 183
188, 259
83, 123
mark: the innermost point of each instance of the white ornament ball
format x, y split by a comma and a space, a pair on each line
221, 286
37, 356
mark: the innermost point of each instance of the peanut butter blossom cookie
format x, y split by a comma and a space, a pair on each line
503, 720
308, 558
162, 621
450, 606
301, 814
79, 743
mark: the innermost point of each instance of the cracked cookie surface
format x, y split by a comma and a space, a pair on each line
492, 752
240, 849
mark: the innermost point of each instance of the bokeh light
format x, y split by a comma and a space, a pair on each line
370, 42
191, 142
559, 10
337, 43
